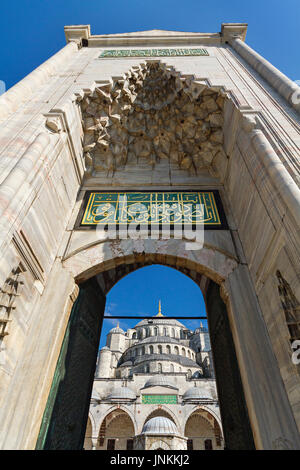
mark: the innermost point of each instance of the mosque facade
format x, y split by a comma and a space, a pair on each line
155, 388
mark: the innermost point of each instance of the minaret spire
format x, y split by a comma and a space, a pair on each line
159, 309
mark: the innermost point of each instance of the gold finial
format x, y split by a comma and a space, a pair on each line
201, 324
159, 310
118, 325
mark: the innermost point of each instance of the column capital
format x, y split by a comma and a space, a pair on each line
233, 30
75, 33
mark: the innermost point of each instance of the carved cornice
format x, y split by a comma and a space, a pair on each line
233, 30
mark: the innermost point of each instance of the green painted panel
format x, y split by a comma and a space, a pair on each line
159, 399
151, 208
153, 52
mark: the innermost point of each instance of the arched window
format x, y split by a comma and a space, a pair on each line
148, 332
173, 333
165, 331
183, 352
134, 335
150, 349
159, 348
176, 350
168, 349
189, 353
156, 331
147, 368
189, 373
143, 351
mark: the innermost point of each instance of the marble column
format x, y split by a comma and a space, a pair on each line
280, 82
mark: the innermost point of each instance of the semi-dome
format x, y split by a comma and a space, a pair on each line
161, 381
195, 393
122, 393
159, 425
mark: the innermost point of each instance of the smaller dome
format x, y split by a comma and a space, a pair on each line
122, 393
105, 348
117, 329
196, 393
161, 381
159, 425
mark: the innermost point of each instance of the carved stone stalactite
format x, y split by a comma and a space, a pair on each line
8, 295
150, 114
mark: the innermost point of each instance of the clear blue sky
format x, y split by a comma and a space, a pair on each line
138, 293
32, 30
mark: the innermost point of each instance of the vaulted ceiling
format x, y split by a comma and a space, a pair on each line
152, 113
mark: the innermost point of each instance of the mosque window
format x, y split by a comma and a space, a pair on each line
168, 348
159, 349
176, 349
190, 444
208, 444
150, 349
155, 331
183, 352
111, 444
134, 335
129, 444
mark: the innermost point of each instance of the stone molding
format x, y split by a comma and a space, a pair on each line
280, 82
77, 33
22, 91
233, 30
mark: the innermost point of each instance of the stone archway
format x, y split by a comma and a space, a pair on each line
203, 282
206, 267
116, 430
217, 261
201, 426
162, 411
88, 439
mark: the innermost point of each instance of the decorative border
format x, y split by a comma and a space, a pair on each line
221, 225
159, 399
112, 53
